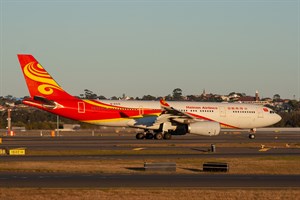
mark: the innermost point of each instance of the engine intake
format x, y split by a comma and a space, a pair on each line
206, 128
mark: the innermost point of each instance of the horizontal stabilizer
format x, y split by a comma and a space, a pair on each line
46, 103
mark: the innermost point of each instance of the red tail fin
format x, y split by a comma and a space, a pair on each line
39, 82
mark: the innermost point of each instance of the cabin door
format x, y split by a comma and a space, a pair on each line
222, 111
141, 110
81, 107
260, 113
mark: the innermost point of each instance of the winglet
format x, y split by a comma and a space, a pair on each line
163, 103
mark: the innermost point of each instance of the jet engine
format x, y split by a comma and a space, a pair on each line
206, 128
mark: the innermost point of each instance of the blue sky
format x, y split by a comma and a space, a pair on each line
153, 47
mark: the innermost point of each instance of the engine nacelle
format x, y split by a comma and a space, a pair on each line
204, 128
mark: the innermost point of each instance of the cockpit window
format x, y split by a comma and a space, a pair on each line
272, 112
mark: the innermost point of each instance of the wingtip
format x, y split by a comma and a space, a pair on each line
163, 102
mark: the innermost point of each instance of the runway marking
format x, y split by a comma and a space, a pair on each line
264, 149
138, 149
41, 177
87, 175
232, 133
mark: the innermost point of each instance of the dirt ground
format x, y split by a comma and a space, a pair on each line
149, 194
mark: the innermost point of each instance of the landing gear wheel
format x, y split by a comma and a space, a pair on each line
149, 136
167, 136
158, 136
251, 136
140, 136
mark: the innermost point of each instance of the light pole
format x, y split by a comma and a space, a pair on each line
8, 120
57, 125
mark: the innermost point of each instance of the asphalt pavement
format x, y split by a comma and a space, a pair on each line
59, 180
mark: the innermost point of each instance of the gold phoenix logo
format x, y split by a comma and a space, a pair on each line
36, 72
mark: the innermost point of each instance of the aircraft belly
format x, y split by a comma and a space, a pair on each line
114, 123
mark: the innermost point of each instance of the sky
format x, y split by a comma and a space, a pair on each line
115, 47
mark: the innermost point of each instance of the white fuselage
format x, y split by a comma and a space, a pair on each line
229, 115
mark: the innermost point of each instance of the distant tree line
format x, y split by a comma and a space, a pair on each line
175, 96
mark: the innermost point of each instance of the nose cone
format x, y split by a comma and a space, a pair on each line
277, 118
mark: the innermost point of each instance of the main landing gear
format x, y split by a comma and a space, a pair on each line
157, 136
252, 133
140, 136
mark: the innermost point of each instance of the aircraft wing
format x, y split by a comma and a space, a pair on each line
168, 114
172, 114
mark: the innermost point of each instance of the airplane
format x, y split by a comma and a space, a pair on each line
158, 119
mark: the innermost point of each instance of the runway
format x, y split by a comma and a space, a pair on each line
56, 180
85, 138
76, 140
189, 146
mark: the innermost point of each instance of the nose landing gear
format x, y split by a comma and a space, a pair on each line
251, 136
252, 133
